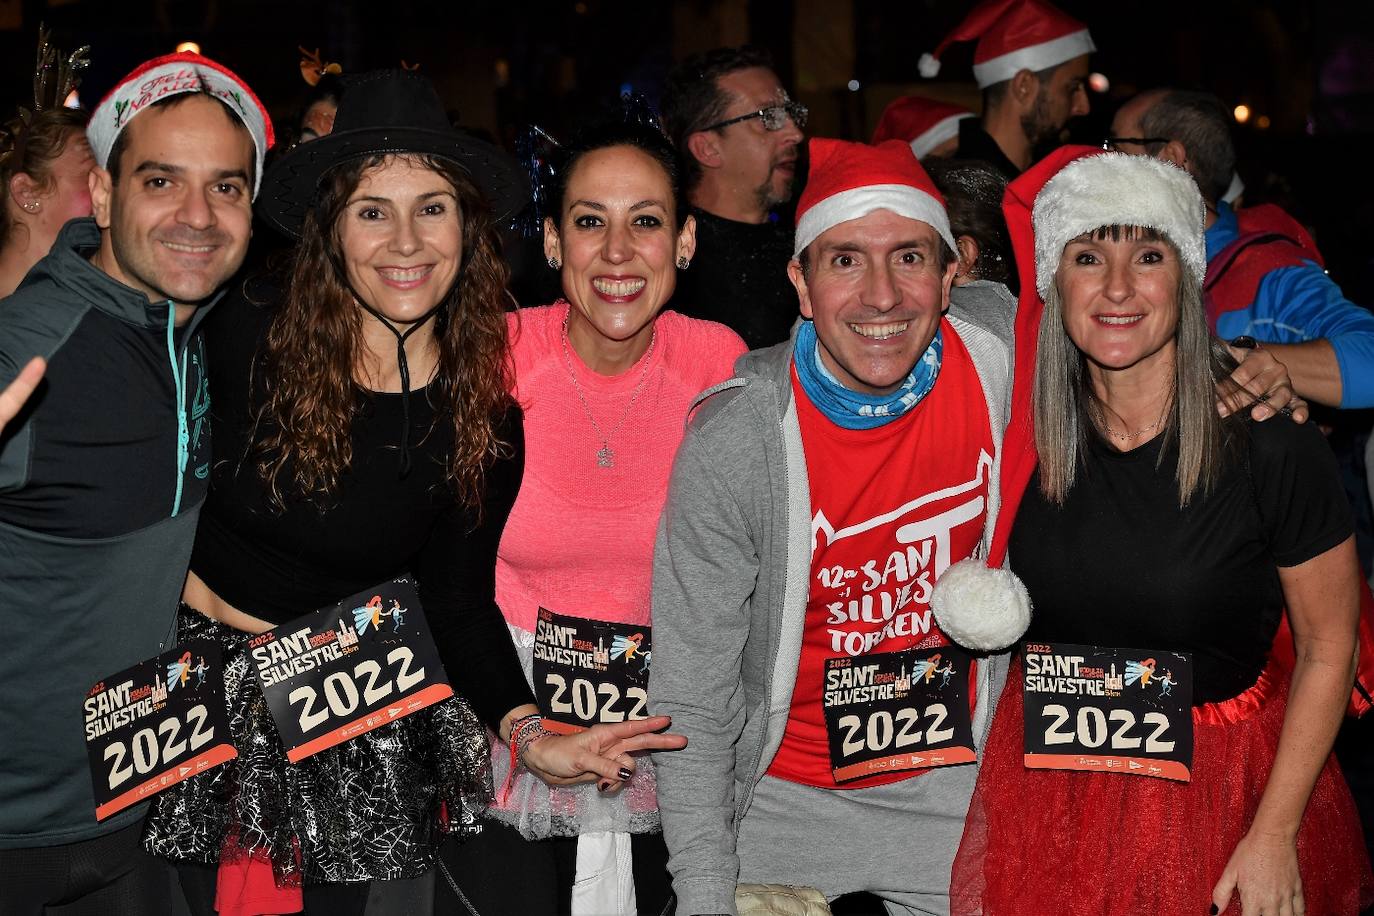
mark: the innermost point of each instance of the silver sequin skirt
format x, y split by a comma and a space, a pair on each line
375, 807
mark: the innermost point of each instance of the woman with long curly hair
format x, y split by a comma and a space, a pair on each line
364, 430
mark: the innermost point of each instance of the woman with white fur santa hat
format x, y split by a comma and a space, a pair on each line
1140, 520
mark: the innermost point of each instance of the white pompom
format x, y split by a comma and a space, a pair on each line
980, 608
929, 65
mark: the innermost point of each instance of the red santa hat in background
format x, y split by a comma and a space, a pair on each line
924, 123
1014, 35
850, 180
171, 75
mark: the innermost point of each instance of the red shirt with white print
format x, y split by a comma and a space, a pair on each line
892, 508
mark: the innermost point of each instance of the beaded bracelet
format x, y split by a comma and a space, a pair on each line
524, 731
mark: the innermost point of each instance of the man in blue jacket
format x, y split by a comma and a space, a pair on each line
103, 471
1265, 281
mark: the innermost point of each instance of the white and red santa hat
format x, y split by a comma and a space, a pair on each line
924, 123
850, 180
1014, 35
171, 75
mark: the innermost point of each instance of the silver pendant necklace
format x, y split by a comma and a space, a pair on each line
605, 456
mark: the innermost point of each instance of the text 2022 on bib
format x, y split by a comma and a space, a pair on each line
344, 670
151, 726
590, 671
1126, 711
897, 711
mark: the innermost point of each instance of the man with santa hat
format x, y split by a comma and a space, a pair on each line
816, 498
1031, 62
102, 478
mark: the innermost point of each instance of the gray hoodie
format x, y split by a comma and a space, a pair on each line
731, 580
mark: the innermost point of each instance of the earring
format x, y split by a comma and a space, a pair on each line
553, 262
683, 263
32, 206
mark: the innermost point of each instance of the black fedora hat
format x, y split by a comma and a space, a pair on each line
387, 111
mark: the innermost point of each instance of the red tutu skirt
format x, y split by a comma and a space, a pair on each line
1067, 843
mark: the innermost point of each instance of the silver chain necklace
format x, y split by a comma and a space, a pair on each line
605, 456
1124, 435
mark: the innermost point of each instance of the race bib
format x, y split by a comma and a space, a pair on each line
151, 726
1115, 710
589, 671
891, 711
344, 670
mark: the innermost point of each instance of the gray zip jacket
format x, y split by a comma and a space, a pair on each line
732, 566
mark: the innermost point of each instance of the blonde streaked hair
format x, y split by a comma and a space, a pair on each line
1063, 400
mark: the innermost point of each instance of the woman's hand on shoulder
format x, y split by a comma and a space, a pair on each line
601, 753
1264, 870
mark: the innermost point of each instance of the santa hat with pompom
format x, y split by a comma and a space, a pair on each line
1014, 35
923, 123
976, 603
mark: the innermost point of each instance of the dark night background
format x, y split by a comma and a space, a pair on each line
1306, 67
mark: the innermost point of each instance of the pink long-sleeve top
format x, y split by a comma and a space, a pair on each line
580, 539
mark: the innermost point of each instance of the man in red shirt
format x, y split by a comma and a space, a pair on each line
815, 501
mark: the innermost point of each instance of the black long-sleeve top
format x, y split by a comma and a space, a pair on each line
278, 565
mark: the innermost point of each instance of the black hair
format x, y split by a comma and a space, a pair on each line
112, 163
693, 99
1202, 124
611, 132
996, 93
973, 193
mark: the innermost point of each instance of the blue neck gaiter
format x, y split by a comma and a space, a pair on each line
851, 409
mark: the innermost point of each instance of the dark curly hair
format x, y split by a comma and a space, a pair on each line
315, 340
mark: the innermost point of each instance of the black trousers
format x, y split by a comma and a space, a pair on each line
503, 874
107, 876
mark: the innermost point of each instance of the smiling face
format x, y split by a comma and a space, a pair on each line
875, 290
756, 160
618, 242
1120, 300
401, 236
178, 221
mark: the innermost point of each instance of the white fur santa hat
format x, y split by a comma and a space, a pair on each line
171, 75
1118, 189
1014, 35
850, 180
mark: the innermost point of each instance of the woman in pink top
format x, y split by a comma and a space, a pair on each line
606, 380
